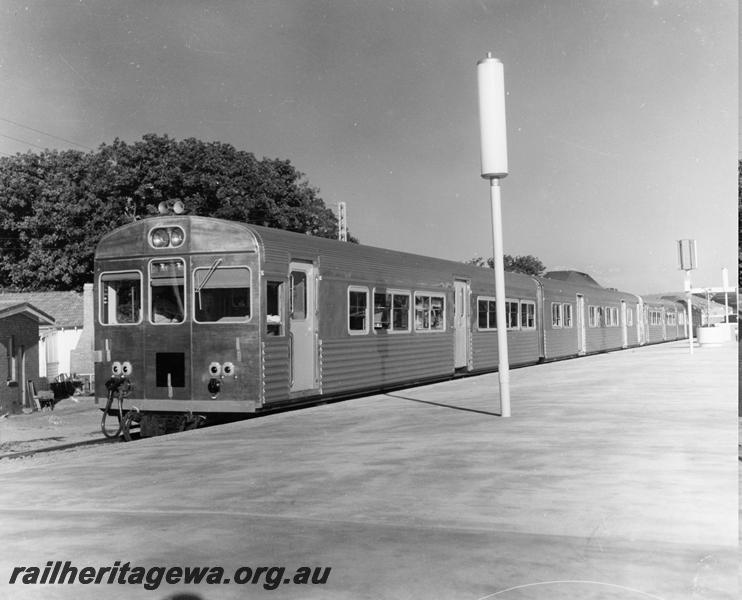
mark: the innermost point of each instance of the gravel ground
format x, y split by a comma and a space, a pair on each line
73, 420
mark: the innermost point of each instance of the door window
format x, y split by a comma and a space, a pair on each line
166, 293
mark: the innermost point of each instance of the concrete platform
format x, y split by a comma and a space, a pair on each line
616, 477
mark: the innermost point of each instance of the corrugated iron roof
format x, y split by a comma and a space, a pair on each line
66, 308
27, 309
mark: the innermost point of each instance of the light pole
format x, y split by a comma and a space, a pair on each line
493, 138
688, 259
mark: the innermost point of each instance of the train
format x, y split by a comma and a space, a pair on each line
198, 319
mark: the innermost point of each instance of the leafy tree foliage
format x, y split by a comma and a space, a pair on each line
55, 206
530, 265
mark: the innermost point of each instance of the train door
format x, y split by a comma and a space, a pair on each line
303, 327
461, 323
624, 326
581, 334
167, 331
663, 315
640, 329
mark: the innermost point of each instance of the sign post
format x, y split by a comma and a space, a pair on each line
493, 138
688, 259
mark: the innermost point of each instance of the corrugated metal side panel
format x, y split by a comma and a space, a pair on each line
276, 371
603, 338
522, 348
362, 362
633, 334
654, 334
560, 342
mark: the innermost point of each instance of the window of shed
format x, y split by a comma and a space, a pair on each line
222, 295
120, 298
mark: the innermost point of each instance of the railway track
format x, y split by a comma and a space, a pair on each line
58, 448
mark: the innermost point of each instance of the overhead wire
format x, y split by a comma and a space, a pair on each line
10, 137
51, 135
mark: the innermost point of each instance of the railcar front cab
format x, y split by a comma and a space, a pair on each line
176, 321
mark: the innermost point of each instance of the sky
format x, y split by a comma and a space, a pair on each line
622, 116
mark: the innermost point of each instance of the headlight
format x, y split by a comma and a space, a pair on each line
215, 369
176, 237
126, 368
116, 368
228, 368
160, 238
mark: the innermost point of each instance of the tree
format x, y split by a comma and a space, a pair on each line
55, 206
529, 265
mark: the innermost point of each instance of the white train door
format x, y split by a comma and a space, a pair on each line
461, 322
303, 327
641, 331
624, 326
581, 335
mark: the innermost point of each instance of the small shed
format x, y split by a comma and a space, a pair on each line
19, 353
59, 339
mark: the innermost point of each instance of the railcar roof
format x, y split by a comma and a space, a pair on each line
297, 242
276, 242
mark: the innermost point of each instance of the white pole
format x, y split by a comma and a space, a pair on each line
503, 364
690, 312
493, 138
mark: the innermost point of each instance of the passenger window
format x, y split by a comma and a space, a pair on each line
392, 311
382, 310
357, 310
527, 315
487, 314
274, 308
298, 295
401, 312
429, 312
511, 313
567, 315
121, 298
222, 294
